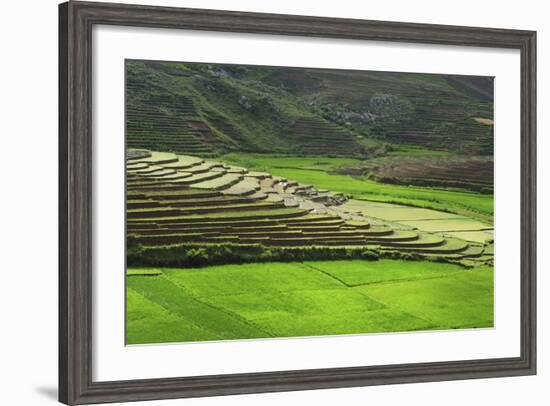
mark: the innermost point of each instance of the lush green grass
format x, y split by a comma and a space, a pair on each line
356, 272
437, 299
237, 279
305, 299
192, 312
465, 203
269, 161
149, 322
415, 150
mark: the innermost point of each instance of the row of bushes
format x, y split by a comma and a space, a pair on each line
193, 255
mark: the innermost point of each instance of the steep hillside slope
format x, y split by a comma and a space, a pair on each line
207, 110
438, 111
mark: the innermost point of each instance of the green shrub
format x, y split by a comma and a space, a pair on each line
133, 248
370, 254
405, 256
192, 255
197, 256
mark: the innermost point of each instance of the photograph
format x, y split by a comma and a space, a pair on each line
265, 203
270, 202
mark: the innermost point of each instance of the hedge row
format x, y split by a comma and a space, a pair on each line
193, 255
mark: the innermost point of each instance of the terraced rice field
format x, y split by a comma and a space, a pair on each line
396, 212
167, 122
320, 137
180, 199
476, 236
322, 172
433, 221
304, 299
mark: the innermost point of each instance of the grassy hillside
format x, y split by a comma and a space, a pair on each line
206, 110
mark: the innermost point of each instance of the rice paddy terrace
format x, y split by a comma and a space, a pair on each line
320, 137
181, 199
171, 121
166, 121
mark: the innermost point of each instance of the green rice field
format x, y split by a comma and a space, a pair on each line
304, 299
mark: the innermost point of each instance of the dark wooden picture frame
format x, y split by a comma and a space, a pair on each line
76, 20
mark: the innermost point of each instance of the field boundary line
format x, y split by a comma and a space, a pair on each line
178, 316
221, 310
327, 274
393, 281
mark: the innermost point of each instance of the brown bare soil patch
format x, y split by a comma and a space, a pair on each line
486, 121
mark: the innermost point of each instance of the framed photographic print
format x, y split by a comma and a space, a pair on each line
256, 202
